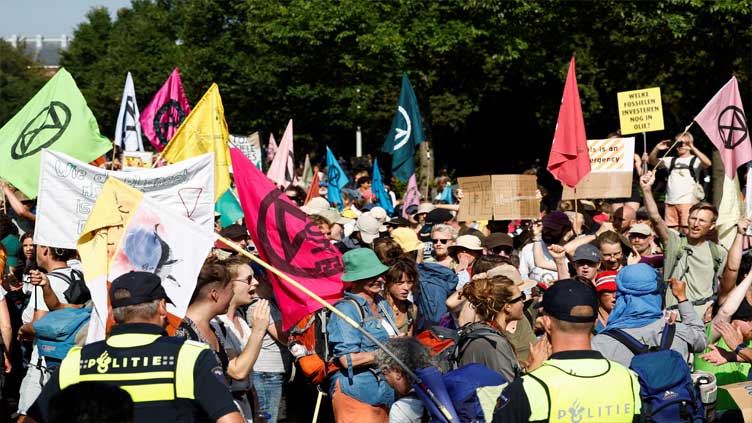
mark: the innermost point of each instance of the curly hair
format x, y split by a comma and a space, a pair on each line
409, 350
488, 295
387, 250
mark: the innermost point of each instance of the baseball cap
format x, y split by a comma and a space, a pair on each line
143, 287
379, 214
587, 252
397, 222
498, 239
368, 227
640, 228
564, 296
332, 216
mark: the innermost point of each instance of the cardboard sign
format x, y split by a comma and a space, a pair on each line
742, 394
134, 160
611, 164
498, 197
640, 111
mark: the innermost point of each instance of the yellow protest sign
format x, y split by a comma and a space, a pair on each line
640, 110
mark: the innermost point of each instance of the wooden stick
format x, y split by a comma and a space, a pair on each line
349, 321
672, 145
114, 154
318, 406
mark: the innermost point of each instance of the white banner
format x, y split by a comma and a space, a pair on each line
250, 146
68, 188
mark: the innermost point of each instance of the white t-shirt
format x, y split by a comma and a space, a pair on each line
36, 301
528, 269
681, 184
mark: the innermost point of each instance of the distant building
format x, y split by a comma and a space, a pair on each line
43, 50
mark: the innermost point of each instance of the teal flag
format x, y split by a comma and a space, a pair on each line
57, 118
229, 208
379, 190
336, 180
406, 133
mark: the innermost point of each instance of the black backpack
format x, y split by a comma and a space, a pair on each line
77, 292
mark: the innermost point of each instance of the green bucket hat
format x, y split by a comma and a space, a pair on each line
361, 263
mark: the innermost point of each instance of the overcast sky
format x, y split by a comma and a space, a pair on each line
48, 17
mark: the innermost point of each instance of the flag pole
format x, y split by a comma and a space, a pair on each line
114, 154
673, 145
575, 211
349, 321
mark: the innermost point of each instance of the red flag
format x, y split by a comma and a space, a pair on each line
569, 160
287, 240
724, 123
313, 190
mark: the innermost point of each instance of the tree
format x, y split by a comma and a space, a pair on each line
20, 78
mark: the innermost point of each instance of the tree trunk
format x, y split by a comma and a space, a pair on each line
425, 173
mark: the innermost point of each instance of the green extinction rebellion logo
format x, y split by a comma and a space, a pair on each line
42, 131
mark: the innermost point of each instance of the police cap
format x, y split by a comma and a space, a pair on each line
143, 287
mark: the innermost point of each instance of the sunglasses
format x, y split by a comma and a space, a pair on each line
440, 241
247, 280
506, 250
522, 297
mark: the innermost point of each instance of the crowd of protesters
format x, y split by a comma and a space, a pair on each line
516, 320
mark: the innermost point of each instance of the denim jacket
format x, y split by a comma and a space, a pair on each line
365, 383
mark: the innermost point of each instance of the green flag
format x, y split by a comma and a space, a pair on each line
229, 208
406, 133
57, 118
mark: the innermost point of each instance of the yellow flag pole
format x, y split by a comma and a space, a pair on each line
673, 145
342, 316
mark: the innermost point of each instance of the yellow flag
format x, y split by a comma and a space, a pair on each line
204, 131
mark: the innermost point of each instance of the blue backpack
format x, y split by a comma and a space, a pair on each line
666, 388
56, 332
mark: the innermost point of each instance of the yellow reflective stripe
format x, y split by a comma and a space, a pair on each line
70, 368
126, 376
187, 357
148, 393
131, 340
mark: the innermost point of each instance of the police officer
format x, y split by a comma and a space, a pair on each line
169, 379
576, 384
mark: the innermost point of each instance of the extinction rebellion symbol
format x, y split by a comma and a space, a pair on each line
732, 126
42, 131
172, 119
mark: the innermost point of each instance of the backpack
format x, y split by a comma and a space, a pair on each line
441, 344
666, 388
56, 332
77, 292
309, 343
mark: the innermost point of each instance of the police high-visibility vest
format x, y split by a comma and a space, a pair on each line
582, 390
150, 367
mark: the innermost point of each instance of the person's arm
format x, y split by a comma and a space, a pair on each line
6, 330
344, 340
729, 307
539, 257
275, 328
240, 367
733, 259
638, 164
661, 146
572, 245
40, 279
16, 204
704, 160
560, 258
659, 225
691, 330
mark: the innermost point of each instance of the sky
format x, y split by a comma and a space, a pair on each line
48, 17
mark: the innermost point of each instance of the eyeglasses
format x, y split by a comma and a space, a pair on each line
439, 241
522, 297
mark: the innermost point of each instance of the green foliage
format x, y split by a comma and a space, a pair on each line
488, 73
19, 80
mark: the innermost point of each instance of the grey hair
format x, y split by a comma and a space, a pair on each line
129, 313
409, 350
446, 229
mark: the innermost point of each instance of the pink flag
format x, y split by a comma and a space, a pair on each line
282, 169
167, 110
724, 123
412, 195
569, 160
271, 149
287, 240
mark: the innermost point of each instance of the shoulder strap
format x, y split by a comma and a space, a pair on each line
361, 312
668, 336
692, 169
628, 341
672, 165
60, 275
715, 252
